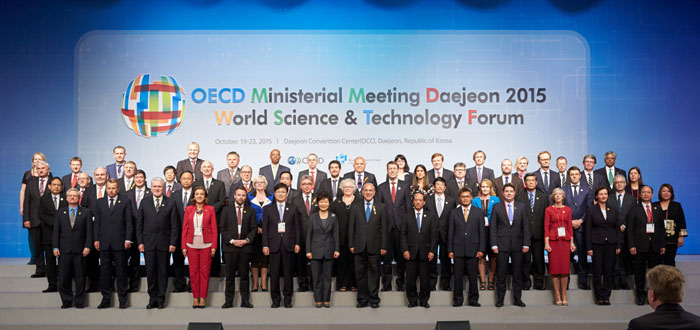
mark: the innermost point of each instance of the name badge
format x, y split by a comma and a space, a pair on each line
197, 231
239, 229
486, 220
561, 232
280, 227
650, 228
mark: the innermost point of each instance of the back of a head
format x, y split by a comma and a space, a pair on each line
667, 282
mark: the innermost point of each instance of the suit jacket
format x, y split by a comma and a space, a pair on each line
266, 171
67, 179
514, 179
91, 195
157, 230
271, 237
209, 226
370, 236
216, 194
186, 165
112, 227
84, 199
122, 184
299, 203
112, 170
395, 209
536, 214
444, 218
366, 177
292, 195
229, 228
598, 180
453, 188
600, 229
322, 241
637, 236
239, 183
603, 172
225, 177
176, 196
628, 201
666, 316
47, 215
445, 174
465, 239
509, 237
32, 200
553, 182
563, 181
578, 205
320, 176
472, 177
175, 186
418, 242
135, 207
77, 238
327, 186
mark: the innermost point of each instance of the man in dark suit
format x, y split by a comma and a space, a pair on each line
112, 229
396, 196
466, 243
562, 165
192, 163
281, 234
593, 179
578, 197
305, 204
37, 187
216, 193
507, 176
116, 170
231, 175
135, 195
547, 179
157, 229
317, 176
272, 171
238, 228
92, 261
182, 198
126, 182
441, 204
170, 183
610, 171
286, 179
623, 263
438, 171
419, 237
331, 185
359, 175
460, 180
48, 206
72, 239
536, 203
510, 239
71, 180
367, 239
246, 181
646, 236
84, 182
666, 284
479, 171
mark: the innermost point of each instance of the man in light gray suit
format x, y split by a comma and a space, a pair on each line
317, 176
232, 174
272, 171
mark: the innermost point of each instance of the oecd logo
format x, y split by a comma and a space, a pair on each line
342, 158
292, 160
153, 107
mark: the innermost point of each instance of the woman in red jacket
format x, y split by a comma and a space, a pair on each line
558, 243
199, 238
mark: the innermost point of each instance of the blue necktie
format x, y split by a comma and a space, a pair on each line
418, 221
368, 211
546, 181
281, 211
532, 202
510, 213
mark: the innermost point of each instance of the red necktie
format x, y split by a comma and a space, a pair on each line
80, 201
650, 218
308, 206
167, 193
74, 180
246, 188
393, 192
99, 193
313, 179
41, 187
240, 219
437, 173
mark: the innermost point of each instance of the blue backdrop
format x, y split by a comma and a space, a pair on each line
644, 71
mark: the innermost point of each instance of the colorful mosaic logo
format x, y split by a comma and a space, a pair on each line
152, 108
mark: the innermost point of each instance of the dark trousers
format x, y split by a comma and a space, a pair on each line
445, 268
281, 262
581, 267
367, 273
38, 250
179, 270
393, 253
216, 259
516, 258
71, 266
301, 267
30, 242
107, 257
321, 270
345, 269
603, 266
92, 269
642, 262
623, 264
414, 268
669, 257
133, 267
533, 263
157, 275
237, 260
471, 265
51, 269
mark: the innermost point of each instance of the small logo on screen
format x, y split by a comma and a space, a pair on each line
153, 106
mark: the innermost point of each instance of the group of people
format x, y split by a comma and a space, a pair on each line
370, 235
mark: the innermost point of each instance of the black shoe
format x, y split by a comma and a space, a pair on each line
246, 304
640, 301
31, 263
50, 289
93, 290
133, 289
161, 306
79, 306
227, 305
456, 304
151, 306
527, 288
361, 305
425, 305
412, 304
264, 290
386, 288
122, 306
180, 290
37, 275
600, 303
275, 305
583, 286
499, 304
445, 288
374, 305
625, 286
287, 305
519, 303
400, 288
606, 302
103, 304
475, 304
64, 306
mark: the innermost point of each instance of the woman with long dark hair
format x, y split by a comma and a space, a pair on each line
199, 239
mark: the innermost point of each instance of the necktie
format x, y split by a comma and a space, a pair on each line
510, 213
157, 204
41, 186
120, 173
184, 198
127, 183
359, 181
80, 200
99, 193
207, 185
575, 190
562, 178
74, 180
308, 205
546, 180
466, 214
532, 201
393, 192
239, 217
247, 186
138, 198
507, 178
418, 220
619, 200
313, 179
590, 181
194, 165
274, 171
72, 217
461, 184
167, 193
437, 173
610, 176
650, 218
478, 174
111, 203
335, 188
368, 211
231, 173
439, 206
281, 212
55, 202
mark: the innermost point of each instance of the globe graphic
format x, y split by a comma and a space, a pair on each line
152, 107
